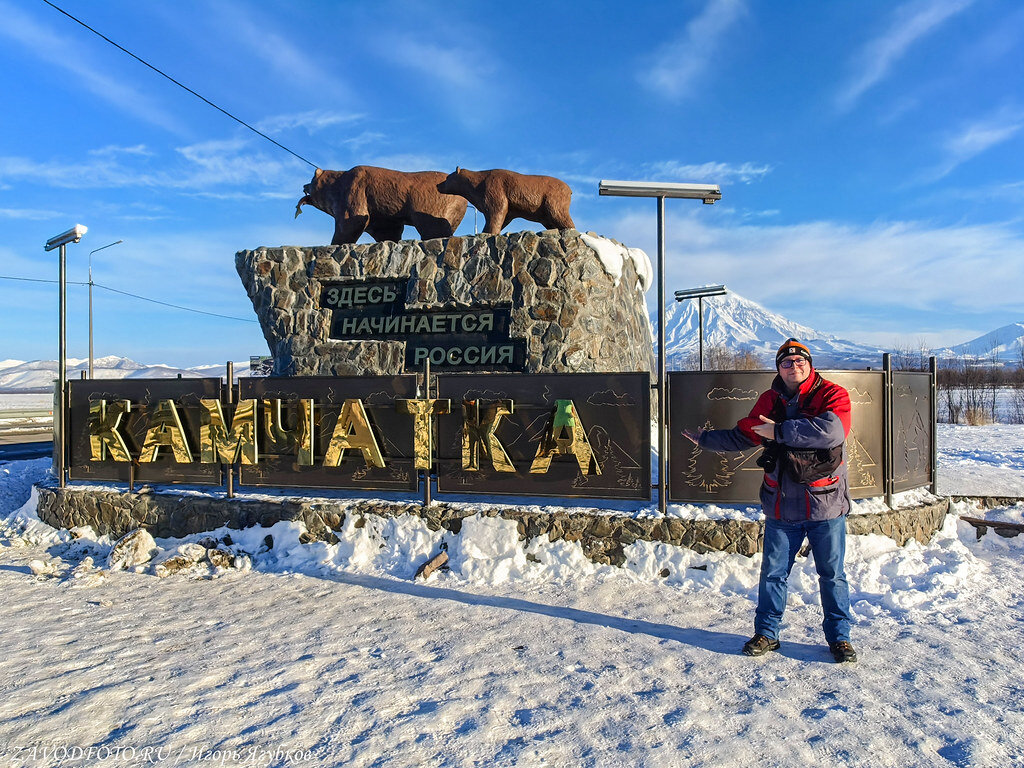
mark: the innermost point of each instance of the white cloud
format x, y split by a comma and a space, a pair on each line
65, 53
911, 22
312, 121
839, 271
677, 65
27, 214
112, 150
895, 338
216, 166
978, 137
412, 162
711, 172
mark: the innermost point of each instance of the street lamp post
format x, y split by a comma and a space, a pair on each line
699, 294
708, 193
73, 235
116, 242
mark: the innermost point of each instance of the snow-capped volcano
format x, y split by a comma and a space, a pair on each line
740, 324
1003, 344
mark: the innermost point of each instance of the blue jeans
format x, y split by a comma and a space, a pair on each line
782, 541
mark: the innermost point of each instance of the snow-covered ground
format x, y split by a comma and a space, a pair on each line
981, 461
333, 655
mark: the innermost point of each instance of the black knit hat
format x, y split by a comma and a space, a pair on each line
792, 347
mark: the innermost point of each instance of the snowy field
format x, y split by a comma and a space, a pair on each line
333, 655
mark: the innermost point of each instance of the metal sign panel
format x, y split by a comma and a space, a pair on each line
911, 430
145, 397
718, 399
452, 339
864, 445
279, 405
520, 443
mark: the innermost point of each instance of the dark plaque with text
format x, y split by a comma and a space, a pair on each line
563, 435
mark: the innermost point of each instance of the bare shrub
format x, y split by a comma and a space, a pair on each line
722, 358
978, 417
910, 357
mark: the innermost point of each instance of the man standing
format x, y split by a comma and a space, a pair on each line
802, 422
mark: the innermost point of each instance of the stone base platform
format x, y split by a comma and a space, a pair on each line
602, 536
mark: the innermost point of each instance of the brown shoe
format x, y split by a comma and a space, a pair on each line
759, 645
842, 652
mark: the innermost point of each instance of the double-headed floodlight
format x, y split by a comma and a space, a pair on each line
116, 242
73, 235
699, 294
708, 194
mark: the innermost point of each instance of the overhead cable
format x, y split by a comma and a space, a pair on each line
180, 85
133, 295
175, 306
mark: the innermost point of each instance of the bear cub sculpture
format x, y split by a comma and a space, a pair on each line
382, 202
502, 196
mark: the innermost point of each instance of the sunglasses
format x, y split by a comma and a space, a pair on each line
789, 363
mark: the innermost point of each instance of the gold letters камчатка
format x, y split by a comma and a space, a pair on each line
238, 442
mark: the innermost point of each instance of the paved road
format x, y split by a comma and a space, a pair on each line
40, 436
26, 450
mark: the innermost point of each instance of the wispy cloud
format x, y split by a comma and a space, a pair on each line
447, 57
980, 136
64, 52
413, 162
311, 121
911, 22
27, 214
711, 172
214, 166
973, 139
676, 66
112, 150
462, 75
297, 64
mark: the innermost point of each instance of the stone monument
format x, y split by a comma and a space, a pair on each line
557, 301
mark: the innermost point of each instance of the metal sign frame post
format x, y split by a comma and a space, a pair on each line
707, 193
73, 235
62, 364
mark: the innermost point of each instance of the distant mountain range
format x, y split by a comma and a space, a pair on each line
744, 325
39, 375
731, 321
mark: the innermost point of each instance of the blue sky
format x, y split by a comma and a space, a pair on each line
870, 154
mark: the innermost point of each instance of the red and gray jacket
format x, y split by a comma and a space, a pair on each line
805, 466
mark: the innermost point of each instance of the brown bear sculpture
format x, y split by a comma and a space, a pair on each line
502, 195
382, 202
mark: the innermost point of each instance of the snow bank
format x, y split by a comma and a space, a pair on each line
487, 551
614, 255
884, 577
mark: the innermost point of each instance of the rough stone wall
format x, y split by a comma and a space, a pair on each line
602, 537
572, 314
